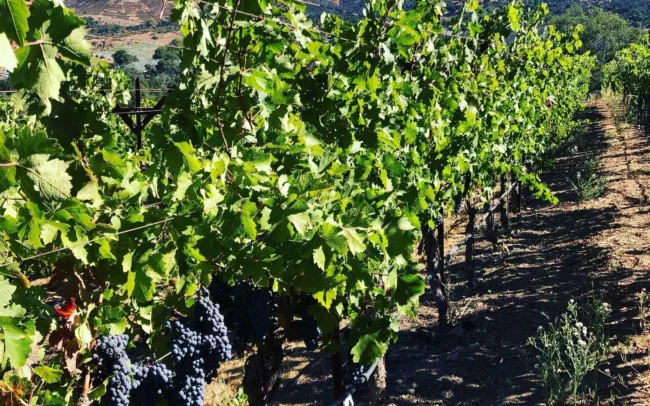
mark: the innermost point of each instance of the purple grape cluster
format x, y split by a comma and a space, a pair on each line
113, 362
355, 373
150, 383
458, 205
198, 346
311, 333
254, 310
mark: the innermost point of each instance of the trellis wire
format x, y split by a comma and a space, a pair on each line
80, 244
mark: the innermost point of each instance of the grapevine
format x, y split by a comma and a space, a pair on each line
292, 157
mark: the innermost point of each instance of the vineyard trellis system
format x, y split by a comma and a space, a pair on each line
284, 185
628, 75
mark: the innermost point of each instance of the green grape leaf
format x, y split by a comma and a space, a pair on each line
184, 182
29, 143
49, 177
249, 226
17, 341
193, 164
354, 240
369, 338
300, 221
6, 292
99, 390
14, 15
140, 286
48, 374
75, 47
39, 70
409, 289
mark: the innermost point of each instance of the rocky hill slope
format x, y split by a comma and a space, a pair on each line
123, 12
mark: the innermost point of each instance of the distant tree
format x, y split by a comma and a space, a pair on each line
121, 57
605, 33
5, 84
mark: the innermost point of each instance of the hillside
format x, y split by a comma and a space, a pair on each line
636, 12
128, 12
124, 12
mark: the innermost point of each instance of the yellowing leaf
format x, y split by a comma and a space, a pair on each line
300, 221
184, 182
319, 257
7, 57
355, 241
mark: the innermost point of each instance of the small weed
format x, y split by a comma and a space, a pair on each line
571, 349
588, 183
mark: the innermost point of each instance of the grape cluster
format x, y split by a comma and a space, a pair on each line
438, 220
458, 205
310, 331
198, 346
186, 342
262, 308
355, 372
150, 383
113, 361
254, 310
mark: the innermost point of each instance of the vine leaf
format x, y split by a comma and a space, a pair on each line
16, 332
319, 257
48, 374
355, 241
39, 70
6, 292
17, 342
369, 338
55, 36
300, 221
13, 20
49, 176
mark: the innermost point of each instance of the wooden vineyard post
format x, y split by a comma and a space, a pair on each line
443, 294
138, 117
143, 115
469, 246
253, 380
261, 371
515, 198
337, 374
519, 194
503, 206
490, 234
378, 384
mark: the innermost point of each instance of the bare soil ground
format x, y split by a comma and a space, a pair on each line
555, 253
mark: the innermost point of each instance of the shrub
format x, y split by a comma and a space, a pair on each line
588, 183
570, 349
